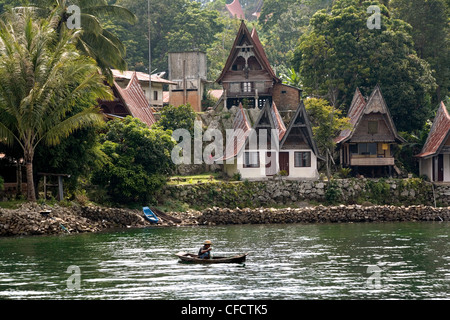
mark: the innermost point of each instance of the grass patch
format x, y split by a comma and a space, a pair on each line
11, 204
195, 179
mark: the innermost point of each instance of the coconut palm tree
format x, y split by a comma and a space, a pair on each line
95, 41
43, 77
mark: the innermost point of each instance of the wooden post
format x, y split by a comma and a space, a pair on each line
60, 188
45, 187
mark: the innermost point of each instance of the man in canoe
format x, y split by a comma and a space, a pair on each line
205, 251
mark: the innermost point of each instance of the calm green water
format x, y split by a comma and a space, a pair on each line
320, 261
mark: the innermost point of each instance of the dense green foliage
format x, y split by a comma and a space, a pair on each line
43, 79
340, 53
323, 45
173, 118
138, 161
327, 122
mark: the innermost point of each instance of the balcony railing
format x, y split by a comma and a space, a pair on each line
368, 162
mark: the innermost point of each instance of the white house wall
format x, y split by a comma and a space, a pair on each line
307, 173
426, 168
310, 173
447, 167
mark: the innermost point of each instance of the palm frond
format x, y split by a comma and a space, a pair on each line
86, 118
113, 11
7, 137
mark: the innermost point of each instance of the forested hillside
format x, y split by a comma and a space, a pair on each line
326, 42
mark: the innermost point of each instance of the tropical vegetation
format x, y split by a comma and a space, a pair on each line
52, 76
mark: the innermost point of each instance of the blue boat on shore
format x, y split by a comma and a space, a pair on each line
150, 216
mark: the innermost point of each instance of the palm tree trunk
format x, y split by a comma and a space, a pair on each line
31, 195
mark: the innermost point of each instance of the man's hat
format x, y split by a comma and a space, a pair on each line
207, 242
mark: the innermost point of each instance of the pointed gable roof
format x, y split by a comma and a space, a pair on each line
135, 101
301, 120
253, 38
354, 113
235, 9
278, 121
439, 133
268, 118
359, 108
241, 127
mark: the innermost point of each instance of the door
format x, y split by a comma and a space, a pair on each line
438, 168
284, 162
271, 164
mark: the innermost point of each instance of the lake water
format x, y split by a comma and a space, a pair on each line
316, 261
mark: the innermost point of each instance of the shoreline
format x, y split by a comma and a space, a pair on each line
28, 221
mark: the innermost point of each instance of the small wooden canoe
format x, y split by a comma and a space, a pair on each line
193, 258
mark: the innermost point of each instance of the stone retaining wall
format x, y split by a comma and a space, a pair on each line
322, 214
284, 192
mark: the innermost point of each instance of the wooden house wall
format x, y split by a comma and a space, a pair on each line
384, 134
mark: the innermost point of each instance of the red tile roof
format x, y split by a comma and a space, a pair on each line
235, 9
438, 133
279, 124
135, 101
354, 113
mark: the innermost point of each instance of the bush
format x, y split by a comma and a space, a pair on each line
378, 191
1, 183
138, 162
333, 194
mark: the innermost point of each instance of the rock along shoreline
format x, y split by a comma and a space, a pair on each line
28, 220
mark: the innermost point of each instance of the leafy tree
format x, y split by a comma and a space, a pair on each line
327, 122
77, 155
292, 78
431, 34
173, 118
282, 23
95, 41
176, 25
43, 78
341, 53
139, 159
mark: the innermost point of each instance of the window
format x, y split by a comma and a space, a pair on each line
247, 87
155, 95
353, 149
373, 127
302, 159
367, 148
251, 160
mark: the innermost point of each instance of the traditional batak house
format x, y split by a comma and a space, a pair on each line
249, 79
434, 160
269, 148
129, 101
299, 155
257, 152
367, 146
